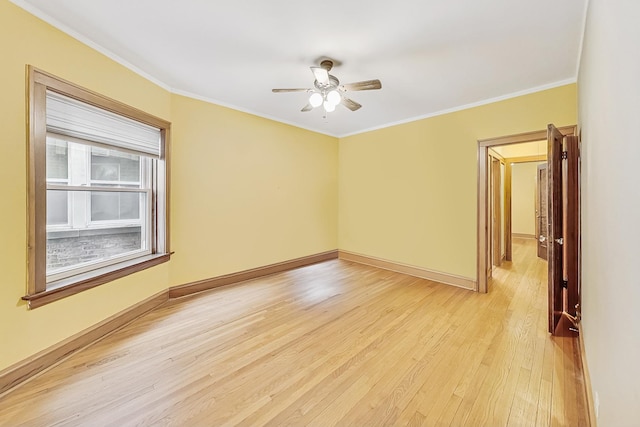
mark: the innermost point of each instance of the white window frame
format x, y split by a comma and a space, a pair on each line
62, 181
42, 289
87, 221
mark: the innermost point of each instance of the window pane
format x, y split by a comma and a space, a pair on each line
129, 206
57, 159
104, 206
108, 206
76, 248
83, 245
115, 166
57, 207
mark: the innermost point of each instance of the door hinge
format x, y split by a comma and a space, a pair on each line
565, 284
565, 155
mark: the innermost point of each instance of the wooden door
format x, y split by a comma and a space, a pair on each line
541, 210
563, 232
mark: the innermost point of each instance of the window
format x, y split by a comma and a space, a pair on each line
98, 203
86, 227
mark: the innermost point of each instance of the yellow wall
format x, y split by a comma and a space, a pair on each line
26, 40
408, 193
523, 197
247, 191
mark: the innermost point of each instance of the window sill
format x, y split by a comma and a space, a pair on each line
81, 282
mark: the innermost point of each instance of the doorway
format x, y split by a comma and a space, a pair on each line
485, 229
512, 196
563, 234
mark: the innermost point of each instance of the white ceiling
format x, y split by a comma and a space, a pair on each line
431, 55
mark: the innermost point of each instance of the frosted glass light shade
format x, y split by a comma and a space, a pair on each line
334, 97
329, 107
315, 99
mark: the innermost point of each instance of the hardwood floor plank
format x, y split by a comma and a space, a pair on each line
335, 343
470, 344
311, 400
416, 420
449, 411
381, 401
558, 387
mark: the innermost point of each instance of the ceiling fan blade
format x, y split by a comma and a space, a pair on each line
364, 85
289, 90
350, 104
306, 108
321, 75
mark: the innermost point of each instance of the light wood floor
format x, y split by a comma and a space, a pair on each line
331, 344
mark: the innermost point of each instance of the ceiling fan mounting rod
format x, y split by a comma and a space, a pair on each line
327, 64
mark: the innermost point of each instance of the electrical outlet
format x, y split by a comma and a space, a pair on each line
597, 404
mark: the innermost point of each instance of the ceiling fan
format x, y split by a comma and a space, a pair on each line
328, 92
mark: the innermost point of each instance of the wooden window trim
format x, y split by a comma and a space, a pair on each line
81, 282
38, 291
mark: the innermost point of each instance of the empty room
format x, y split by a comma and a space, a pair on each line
340, 213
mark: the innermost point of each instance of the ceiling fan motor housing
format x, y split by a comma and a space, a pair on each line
332, 84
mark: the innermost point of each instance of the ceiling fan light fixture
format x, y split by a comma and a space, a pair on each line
315, 99
333, 97
328, 92
329, 107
